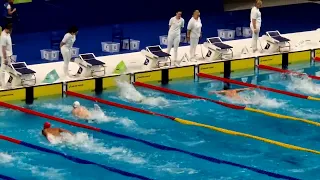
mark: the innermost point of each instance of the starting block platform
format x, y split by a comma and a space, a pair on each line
218, 49
89, 66
21, 75
277, 42
156, 56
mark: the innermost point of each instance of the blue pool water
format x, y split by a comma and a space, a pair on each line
24, 163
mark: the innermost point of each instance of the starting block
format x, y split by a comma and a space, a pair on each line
276, 42
89, 66
217, 49
156, 56
21, 75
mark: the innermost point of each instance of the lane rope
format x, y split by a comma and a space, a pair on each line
6, 177
232, 106
232, 81
317, 59
187, 122
286, 71
151, 144
72, 158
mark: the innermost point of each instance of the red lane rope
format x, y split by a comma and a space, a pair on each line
317, 59
28, 111
70, 93
286, 71
166, 90
170, 91
251, 85
10, 139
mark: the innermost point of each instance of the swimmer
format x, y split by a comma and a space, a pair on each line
231, 93
82, 112
51, 133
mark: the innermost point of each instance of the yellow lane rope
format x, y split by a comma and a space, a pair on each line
282, 116
235, 133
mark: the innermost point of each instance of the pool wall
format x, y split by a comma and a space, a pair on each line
165, 75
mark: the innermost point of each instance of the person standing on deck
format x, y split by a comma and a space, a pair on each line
255, 24
5, 52
176, 23
194, 32
66, 48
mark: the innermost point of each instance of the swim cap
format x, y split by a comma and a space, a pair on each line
46, 125
76, 104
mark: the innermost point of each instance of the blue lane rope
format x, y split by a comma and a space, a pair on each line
6, 177
82, 161
207, 158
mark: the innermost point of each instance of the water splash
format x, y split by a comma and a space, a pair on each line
6, 158
303, 84
60, 107
256, 98
128, 92
37, 171
44, 172
306, 113
83, 142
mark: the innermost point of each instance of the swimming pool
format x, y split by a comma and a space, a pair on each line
23, 163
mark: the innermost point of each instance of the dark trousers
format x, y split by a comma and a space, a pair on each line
7, 21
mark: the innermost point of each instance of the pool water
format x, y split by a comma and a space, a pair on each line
25, 163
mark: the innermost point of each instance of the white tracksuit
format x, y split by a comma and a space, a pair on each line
255, 14
5, 41
174, 35
66, 51
195, 27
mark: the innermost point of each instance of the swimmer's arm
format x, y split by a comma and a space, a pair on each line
45, 134
243, 89
65, 131
217, 92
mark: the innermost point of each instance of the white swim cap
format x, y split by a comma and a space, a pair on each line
76, 104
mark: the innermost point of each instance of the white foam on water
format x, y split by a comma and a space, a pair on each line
128, 92
306, 113
98, 116
45, 172
173, 168
60, 107
303, 84
6, 158
38, 171
259, 99
83, 142
256, 98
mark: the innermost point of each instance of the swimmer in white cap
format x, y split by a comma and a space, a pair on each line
82, 112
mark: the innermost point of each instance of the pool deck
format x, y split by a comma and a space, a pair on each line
135, 61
